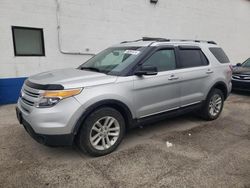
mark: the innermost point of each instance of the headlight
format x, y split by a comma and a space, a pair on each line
51, 98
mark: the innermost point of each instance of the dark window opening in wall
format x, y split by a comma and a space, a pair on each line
28, 41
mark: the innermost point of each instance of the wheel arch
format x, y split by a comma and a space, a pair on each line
118, 105
221, 86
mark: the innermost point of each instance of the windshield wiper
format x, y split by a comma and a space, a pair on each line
90, 68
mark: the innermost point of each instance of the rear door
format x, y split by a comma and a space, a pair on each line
195, 74
161, 92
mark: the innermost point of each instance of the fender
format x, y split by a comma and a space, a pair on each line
118, 105
222, 86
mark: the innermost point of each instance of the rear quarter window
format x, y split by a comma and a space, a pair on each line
219, 54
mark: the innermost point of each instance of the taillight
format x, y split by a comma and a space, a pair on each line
231, 67
229, 73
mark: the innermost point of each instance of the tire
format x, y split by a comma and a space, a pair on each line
215, 100
104, 124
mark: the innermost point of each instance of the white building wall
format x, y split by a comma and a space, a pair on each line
96, 24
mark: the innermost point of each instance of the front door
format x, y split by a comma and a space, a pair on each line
158, 93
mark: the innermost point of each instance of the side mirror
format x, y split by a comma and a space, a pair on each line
147, 71
238, 64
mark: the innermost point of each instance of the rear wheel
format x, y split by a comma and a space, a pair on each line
213, 105
102, 132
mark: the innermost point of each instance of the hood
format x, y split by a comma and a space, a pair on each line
241, 70
72, 78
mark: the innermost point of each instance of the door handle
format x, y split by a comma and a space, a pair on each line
173, 77
209, 71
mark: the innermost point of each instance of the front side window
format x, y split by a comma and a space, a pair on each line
113, 60
246, 63
192, 58
28, 41
163, 60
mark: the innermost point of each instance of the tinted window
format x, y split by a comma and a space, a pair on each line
163, 59
220, 55
28, 41
192, 58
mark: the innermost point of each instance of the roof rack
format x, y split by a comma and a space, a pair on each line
155, 39
131, 41
168, 40
190, 40
148, 39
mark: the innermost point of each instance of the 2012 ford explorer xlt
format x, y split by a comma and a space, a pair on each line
127, 84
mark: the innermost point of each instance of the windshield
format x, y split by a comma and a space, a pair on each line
112, 60
246, 63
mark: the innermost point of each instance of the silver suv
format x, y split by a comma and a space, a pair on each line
123, 86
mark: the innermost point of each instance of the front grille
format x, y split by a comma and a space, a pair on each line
29, 96
27, 101
241, 77
25, 109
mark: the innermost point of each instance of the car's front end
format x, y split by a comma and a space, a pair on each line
48, 107
48, 115
51, 104
241, 82
241, 77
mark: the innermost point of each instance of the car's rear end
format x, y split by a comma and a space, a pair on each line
223, 65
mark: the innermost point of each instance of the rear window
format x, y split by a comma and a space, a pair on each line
192, 58
220, 55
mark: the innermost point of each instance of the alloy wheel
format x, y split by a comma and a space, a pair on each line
215, 105
104, 133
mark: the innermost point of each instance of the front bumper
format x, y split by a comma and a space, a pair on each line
50, 126
241, 85
49, 140
57, 120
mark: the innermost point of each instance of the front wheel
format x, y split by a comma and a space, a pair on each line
213, 105
102, 132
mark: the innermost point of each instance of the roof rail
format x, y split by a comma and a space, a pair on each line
211, 42
190, 40
131, 41
155, 39
148, 39
168, 40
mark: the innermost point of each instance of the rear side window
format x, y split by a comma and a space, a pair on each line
192, 58
220, 55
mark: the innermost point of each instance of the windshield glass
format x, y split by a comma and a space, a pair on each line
112, 60
246, 63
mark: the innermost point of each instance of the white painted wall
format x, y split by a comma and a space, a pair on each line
96, 24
